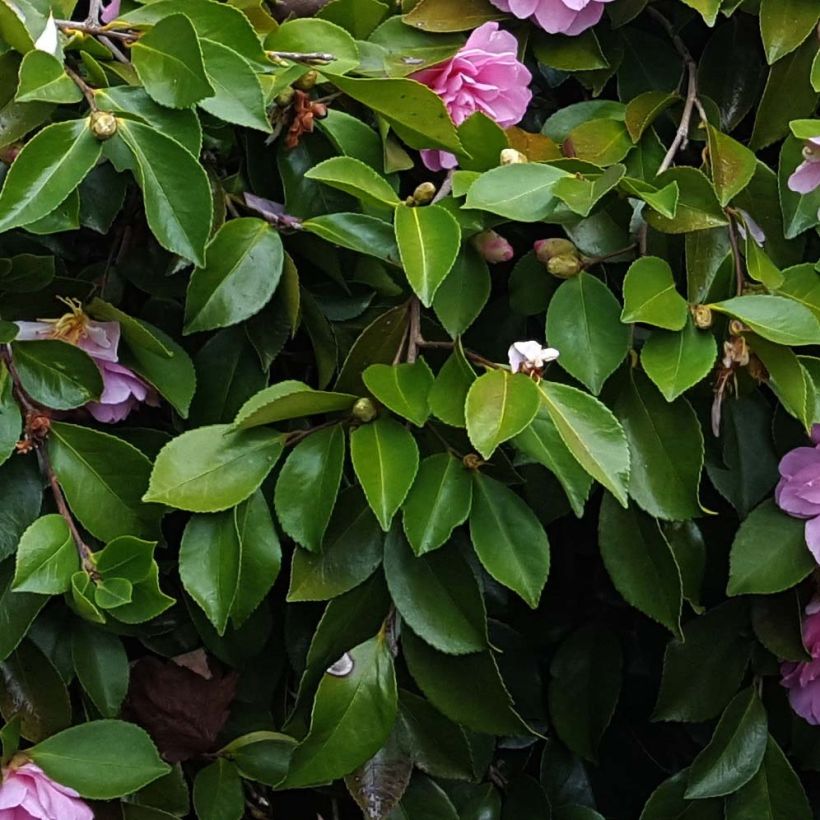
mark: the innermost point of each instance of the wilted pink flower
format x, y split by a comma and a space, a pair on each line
111, 11
807, 175
123, 390
747, 226
556, 16
28, 793
803, 679
493, 247
485, 75
527, 357
798, 492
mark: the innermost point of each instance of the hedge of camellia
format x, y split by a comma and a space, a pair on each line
407, 409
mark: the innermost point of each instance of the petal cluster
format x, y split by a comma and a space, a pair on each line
570, 17
485, 75
798, 491
27, 793
803, 679
806, 177
530, 356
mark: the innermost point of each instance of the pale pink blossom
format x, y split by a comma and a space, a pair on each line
803, 679
493, 247
529, 356
485, 75
807, 175
570, 17
798, 491
28, 793
111, 11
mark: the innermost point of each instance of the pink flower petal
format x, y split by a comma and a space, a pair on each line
806, 178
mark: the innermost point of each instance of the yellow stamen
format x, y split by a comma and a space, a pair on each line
71, 326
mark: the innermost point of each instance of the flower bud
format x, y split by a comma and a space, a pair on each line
702, 316
545, 249
424, 193
511, 156
10, 152
103, 125
307, 80
365, 410
493, 247
565, 265
319, 110
737, 328
285, 97
472, 461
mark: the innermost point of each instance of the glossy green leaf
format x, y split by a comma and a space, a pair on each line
733, 165
358, 232
786, 24
449, 392
524, 193
17, 611
43, 79
288, 400
218, 792
355, 178
677, 361
645, 109
698, 206
774, 318
101, 665
46, 557
583, 323
650, 295
403, 388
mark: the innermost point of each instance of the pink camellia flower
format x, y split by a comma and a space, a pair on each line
807, 175
556, 16
123, 389
28, 793
485, 75
803, 679
110, 12
798, 492
529, 357
493, 247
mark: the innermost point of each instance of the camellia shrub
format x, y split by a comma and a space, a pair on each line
409, 410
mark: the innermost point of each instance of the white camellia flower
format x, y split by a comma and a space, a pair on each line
530, 356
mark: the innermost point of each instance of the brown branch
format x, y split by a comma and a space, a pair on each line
596, 260
739, 276
414, 335
477, 358
306, 57
96, 30
88, 91
296, 436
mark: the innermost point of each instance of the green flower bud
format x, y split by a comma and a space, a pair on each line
285, 98
702, 316
511, 156
307, 80
365, 410
545, 249
103, 125
424, 193
564, 266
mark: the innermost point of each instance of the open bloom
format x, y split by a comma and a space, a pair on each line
556, 16
123, 389
798, 492
803, 679
807, 175
493, 247
111, 11
27, 792
485, 75
528, 357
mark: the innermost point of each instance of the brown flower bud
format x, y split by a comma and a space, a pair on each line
307, 80
472, 461
702, 316
365, 410
319, 110
10, 152
103, 125
565, 265
424, 193
737, 328
285, 97
511, 156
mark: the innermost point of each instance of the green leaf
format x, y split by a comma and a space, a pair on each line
642, 111
416, 113
429, 239
175, 188
113, 593
464, 292
101, 665
800, 211
542, 442
403, 388
47, 170
303, 34
785, 24
352, 717
789, 380
101, 759
437, 595
385, 458
11, 421
46, 557
212, 468
582, 194
774, 792
591, 433
708, 9
218, 793
583, 322
776, 620
760, 267
308, 484
438, 502
147, 601
103, 479
666, 440
57, 374
733, 165
43, 79
448, 395
603, 142
483, 139
168, 61
735, 752
17, 612
358, 232
698, 206
641, 563
351, 551
802, 283
775, 318
585, 683
355, 178
757, 568
650, 295
508, 539
262, 756
229, 288
237, 96
579, 53
499, 406
289, 400
702, 672
677, 361
668, 801
468, 689
520, 192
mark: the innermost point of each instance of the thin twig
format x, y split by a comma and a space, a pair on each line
739, 277
306, 57
297, 435
477, 358
94, 12
118, 55
95, 30
596, 260
88, 91
414, 334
